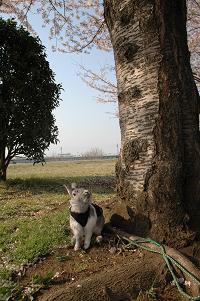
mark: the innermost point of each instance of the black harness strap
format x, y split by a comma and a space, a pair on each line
82, 218
98, 209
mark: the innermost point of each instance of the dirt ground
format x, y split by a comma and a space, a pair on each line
109, 271
73, 268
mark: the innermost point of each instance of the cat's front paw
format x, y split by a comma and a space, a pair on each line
76, 247
86, 246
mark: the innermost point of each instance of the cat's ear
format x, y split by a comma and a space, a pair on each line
68, 189
88, 196
73, 186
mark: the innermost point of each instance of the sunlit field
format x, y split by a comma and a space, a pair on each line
62, 169
33, 209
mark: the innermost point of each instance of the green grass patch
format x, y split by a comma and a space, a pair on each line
26, 239
43, 279
63, 258
6, 284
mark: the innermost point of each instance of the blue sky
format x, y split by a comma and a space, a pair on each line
83, 123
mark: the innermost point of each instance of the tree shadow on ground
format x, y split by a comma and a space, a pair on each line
139, 226
97, 184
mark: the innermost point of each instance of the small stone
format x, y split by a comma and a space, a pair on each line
57, 274
113, 250
187, 283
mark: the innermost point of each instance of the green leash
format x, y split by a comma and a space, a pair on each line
169, 261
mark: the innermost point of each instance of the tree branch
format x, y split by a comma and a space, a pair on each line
98, 77
29, 7
57, 11
91, 41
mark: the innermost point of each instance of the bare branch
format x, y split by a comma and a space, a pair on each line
28, 8
90, 42
63, 16
99, 82
98, 77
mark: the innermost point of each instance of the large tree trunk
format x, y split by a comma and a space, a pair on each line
158, 171
3, 166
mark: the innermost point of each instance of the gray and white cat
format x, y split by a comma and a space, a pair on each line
86, 218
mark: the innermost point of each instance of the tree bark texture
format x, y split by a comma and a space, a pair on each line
3, 166
158, 170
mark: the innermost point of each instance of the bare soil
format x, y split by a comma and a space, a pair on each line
109, 271
106, 272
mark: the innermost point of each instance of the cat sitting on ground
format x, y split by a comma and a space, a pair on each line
86, 218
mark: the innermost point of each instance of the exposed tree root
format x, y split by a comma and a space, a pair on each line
178, 256
122, 283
